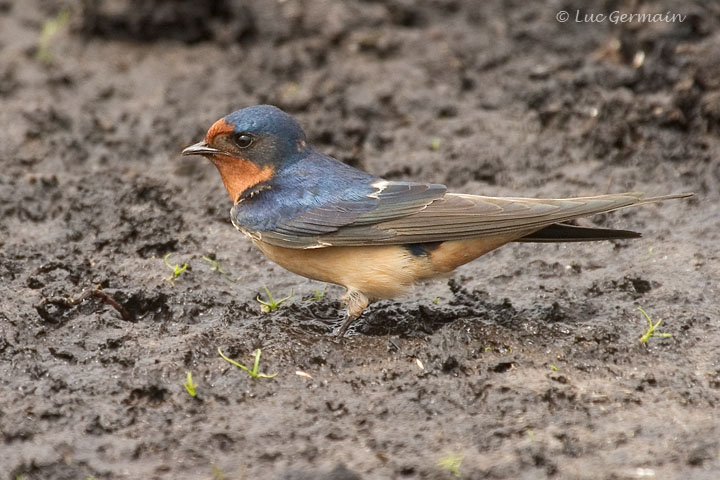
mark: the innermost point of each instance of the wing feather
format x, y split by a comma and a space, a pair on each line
406, 213
457, 217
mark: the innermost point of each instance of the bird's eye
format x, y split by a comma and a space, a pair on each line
243, 140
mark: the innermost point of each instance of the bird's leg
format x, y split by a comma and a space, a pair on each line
356, 304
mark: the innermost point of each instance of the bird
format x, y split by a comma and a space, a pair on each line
325, 220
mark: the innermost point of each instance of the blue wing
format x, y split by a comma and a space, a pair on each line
319, 202
319, 196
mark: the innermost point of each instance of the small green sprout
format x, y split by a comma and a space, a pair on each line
50, 28
190, 385
177, 269
435, 144
271, 305
254, 372
215, 265
319, 294
531, 434
554, 368
650, 332
216, 472
451, 463
488, 348
437, 300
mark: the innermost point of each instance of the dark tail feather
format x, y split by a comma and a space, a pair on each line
560, 232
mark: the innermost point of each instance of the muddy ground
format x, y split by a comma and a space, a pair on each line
525, 364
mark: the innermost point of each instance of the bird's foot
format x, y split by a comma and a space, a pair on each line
349, 319
356, 304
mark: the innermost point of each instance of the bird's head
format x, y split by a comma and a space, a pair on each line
250, 145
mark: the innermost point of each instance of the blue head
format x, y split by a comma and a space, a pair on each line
250, 145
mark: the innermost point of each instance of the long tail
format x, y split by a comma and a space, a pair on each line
570, 233
560, 232
665, 197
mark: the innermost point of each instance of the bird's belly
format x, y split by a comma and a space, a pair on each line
383, 271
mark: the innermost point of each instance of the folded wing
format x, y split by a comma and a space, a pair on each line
406, 213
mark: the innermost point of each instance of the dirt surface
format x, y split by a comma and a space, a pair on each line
526, 364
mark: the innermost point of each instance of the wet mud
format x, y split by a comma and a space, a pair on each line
526, 363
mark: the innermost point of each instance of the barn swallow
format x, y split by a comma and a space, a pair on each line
327, 221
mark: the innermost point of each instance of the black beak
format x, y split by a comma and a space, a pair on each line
200, 148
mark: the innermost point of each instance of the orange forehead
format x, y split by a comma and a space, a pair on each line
218, 128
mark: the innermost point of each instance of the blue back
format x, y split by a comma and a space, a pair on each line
309, 181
